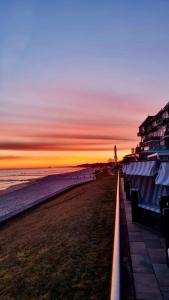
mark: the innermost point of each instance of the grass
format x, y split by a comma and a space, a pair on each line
61, 250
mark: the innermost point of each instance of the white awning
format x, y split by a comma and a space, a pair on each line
142, 168
163, 174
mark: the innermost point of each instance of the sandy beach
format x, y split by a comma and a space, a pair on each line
61, 249
16, 201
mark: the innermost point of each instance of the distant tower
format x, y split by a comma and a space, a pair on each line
115, 154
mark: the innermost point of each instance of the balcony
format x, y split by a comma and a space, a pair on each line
154, 128
166, 138
149, 139
166, 121
151, 128
162, 121
141, 133
166, 133
159, 121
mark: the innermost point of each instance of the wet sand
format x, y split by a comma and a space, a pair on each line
62, 249
17, 187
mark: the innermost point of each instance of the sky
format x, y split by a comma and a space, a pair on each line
78, 77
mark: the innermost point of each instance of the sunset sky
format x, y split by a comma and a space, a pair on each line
77, 77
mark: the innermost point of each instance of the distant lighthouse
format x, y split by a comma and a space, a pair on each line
115, 154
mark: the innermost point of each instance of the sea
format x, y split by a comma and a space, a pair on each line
13, 177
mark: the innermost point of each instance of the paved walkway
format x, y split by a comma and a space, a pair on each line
151, 274
20, 200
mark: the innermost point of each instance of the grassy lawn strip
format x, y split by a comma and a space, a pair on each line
63, 249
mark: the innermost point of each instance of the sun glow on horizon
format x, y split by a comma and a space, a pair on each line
60, 160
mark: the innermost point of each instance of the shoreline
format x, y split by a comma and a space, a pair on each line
26, 180
18, 186
29, 182
65, 243
16, 201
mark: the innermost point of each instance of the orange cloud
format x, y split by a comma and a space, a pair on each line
67, 146
68, 120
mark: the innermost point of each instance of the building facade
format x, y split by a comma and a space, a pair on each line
154, 131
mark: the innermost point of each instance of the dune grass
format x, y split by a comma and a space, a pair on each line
62, 249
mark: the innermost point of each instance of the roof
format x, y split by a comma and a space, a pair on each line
147, 120
166, 107
151, 118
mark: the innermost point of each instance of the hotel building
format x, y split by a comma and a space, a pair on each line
154, 131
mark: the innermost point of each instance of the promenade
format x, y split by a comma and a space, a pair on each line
147, 249
20, 200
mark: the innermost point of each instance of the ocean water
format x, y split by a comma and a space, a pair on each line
13, 177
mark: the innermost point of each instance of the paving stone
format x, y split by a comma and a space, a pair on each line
162, 274
153, 243
162, 241
138, 248
133, 227
141, 263
165, 293
157, 256
135, 236
149, 235
128, 208
146, 287
128, 217
151, 274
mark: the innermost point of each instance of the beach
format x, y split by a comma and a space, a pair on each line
63, 248
15, 201
13, 179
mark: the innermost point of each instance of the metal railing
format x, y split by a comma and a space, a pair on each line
115, 281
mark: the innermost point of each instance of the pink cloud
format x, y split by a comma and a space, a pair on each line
70, 119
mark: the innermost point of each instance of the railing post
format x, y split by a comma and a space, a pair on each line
115, 282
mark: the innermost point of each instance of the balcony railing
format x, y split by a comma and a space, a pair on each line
159, 121
162, 121
148, 130
166, 133
151, 138
166, 121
